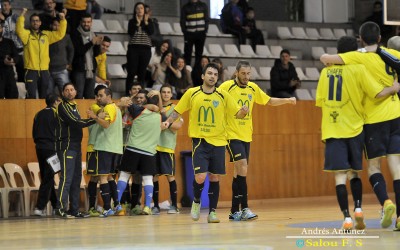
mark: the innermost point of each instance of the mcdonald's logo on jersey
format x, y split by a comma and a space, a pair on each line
241, 103
205, 114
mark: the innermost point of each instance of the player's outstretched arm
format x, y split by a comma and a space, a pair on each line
280, 101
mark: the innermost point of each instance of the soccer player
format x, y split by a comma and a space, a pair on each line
166, 153
105, 143
340, 92
208, 109
240, 134
382, 122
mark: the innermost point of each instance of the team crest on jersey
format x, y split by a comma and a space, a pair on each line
215, 103
250, 96
42, 41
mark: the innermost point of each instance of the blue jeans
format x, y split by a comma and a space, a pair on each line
59, 79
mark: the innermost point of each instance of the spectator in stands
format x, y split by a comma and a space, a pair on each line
44, 136
194, 25
8, 58
284, 79
87, 48
232, 21
101, 76
156, 59
140, 28
156, 37
76, 9
9, 20
36, 52
222, 72
48, 14
377, 17
163, 70
37, 4
198, 71
61, 56
94, 7
183, 83
249, 25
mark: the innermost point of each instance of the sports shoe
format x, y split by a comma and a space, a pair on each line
81, 215
137, 210
147, 211
173, 210
212, 217
119, 210
107, 213
397, 226
39, 212
236, 216
388, 209
195, 211
359, 218
62, 214
93, 212
155, 211
347, 224
247, 214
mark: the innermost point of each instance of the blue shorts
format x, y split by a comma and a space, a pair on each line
238, 150
207, 157
100, 163
344, 154
382, 138
165, 163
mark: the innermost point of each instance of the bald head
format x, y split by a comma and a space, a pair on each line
394, 43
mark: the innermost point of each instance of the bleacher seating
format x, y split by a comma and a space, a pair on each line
313, 34
247, 51
284, 33
301, 74
317, 52
265, 73
326, 33
312, 73
303, 94
116, 48
114, 26
276, 51
339, 33
115, 71
177, 28
263, 51
231, 50
215, 50
98, 26
299, 33
165, 28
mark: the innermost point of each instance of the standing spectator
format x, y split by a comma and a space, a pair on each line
208, 109
8, 58
94, 7
43, 133
36, 52
76, 9
61, 56
101, 60
87, 47
249, 25
377, 17
163, 70
284, 79
69, 138
232, 21
194, 25
156, 37
140, 27
183, 83
198, 71
48, 14
10, 20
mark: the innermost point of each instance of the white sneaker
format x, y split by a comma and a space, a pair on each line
39, 212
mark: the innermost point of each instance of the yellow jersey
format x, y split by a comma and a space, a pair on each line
377, 109
208, 113
242, 129
340, 93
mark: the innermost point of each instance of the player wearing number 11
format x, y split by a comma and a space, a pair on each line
340, 93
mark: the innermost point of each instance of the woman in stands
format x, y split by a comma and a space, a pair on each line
140, 28
156, 59
163, 70
184, 82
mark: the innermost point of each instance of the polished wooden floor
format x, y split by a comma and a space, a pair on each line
273, 230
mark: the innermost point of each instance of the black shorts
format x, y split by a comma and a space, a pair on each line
382, 138
207, 157
238, 150
134, 161
100, 163
344, 154
165, 163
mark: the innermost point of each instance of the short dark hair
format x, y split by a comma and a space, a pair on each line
51, 99
370, 33
86, 15
210, 65
166, 85
242, 63
68, 83
33, 15
346, 44
286, 51
99, 87
107, 39
6, 1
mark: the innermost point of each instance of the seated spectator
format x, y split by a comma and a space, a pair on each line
164, 69
232, 21
94, 7
222, 72
249, 24
155, 59
284, 79
184, 82
101, 59
8, 58
198, 71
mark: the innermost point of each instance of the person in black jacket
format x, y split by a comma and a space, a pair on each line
194, 24
8, 58
43, 133
68, 145
86, 48
284, 79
